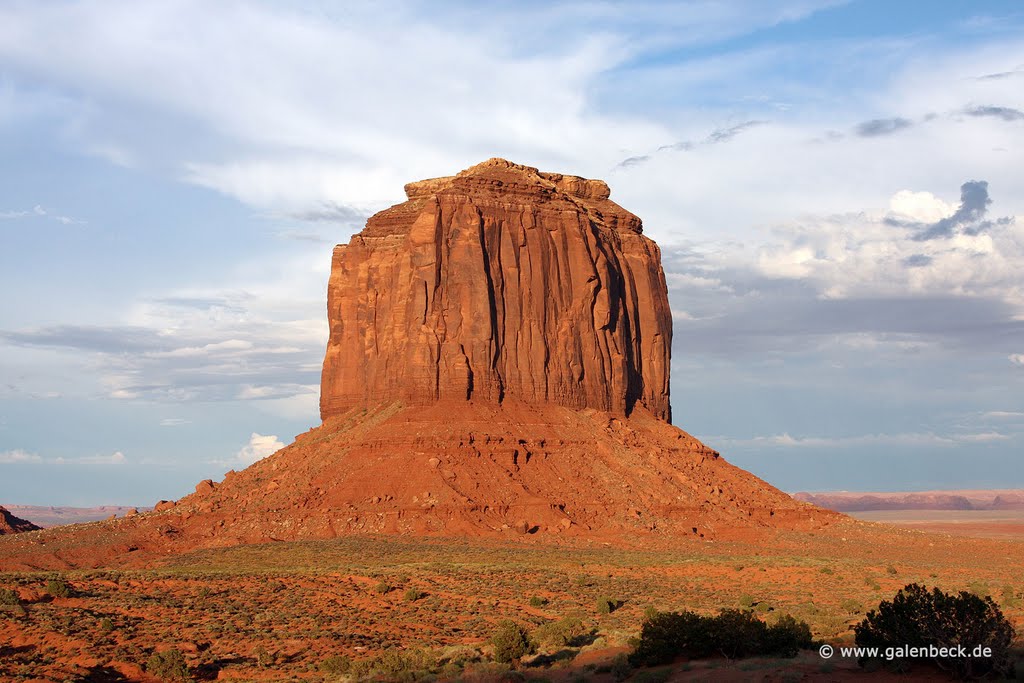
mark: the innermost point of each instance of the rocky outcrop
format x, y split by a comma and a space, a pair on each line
499, 282
9, 524
497, 366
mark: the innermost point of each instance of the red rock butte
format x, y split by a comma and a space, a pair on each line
9, 524
498, 364
499, 282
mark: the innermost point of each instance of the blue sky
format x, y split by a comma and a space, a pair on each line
836, 188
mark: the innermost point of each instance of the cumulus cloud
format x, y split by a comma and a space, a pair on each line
1017, 358
259, 447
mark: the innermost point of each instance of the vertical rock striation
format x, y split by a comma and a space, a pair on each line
499, 282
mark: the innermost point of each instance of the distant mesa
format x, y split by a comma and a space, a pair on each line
9, 524
47, 516
498, 365
997, 499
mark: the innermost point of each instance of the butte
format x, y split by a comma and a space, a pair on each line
498, 365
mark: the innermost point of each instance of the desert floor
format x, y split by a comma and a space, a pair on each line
292, 611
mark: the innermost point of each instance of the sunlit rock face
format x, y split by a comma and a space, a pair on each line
500, 282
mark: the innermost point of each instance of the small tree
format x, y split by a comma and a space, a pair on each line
511, 642
917, 617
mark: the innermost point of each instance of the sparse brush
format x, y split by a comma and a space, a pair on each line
851, 606
606, 605
565, 631
382, 587
9, 596
537, 601
336, 665
414, 594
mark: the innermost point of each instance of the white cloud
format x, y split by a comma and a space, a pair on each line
1017, 358
40, 211
865, 255
911, 439
115, 458
1003, 414
260, 446
174, 422
984, 437
920, 206
18, 456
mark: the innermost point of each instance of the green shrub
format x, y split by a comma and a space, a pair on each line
382, 587
9, 596
565, 631
746, 601
606, 605
650, 611
733, 634
106, 625
168, 665
827, 570
537, 601
414, 594
58, 588
891, 570
917, 617
511, 642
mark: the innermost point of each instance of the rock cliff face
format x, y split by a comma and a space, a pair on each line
499, 282
9, 524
